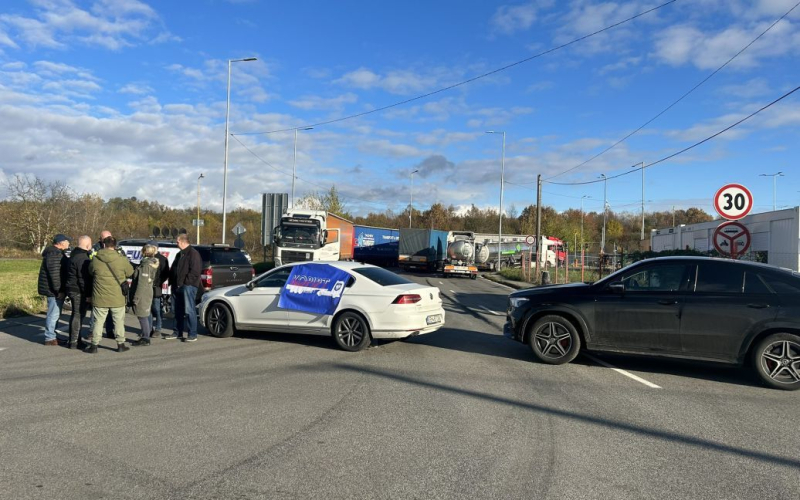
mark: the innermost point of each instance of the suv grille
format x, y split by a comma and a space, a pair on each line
289, 257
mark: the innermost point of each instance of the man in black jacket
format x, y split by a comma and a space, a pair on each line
52, 283
79, 289
185, 280
163, 276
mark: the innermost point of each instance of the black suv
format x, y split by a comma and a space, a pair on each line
687, 307
223, 266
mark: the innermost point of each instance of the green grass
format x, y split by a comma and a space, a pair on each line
590, 275
18, 295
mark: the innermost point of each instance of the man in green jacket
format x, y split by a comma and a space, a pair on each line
109, 270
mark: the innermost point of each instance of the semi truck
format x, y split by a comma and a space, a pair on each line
512, 252
376, 245
423, 249
309, 235
460, 258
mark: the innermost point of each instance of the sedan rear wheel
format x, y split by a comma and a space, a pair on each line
777, 361
554, 340
219, 320
351, 332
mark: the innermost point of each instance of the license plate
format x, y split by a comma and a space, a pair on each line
435, 318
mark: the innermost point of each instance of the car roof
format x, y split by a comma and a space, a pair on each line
699, 258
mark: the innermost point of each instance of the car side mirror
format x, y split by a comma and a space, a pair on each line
616, 287
251, 285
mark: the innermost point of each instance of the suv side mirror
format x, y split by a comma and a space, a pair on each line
616, 287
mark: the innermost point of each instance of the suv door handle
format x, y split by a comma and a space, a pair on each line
667, 302
758, 306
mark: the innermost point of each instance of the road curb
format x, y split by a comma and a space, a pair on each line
502, 281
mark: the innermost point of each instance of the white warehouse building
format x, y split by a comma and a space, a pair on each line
774, 237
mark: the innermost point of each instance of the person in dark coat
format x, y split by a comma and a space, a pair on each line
52, 284
79, 289
144, 277
163, 276
185, 280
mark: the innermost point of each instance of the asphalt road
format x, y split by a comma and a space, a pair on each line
460, 413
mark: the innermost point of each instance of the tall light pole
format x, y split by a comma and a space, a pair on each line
502, 186
201, 176
605, 213
411, 206
294, 162
774, 187
582, 198
641, 165
225, 169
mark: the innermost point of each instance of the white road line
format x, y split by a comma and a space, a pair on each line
441, 283
623, 372
490, 311
2, 348
500, 284
452, 291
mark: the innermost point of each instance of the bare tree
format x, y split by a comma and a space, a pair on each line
38, 210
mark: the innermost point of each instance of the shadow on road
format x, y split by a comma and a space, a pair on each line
668, 436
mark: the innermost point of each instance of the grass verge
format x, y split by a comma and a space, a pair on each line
18, 295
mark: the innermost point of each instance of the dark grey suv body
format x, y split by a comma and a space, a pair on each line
689, 307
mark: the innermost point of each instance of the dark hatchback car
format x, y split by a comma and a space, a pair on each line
685, 307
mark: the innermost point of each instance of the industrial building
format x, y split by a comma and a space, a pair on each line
774, 237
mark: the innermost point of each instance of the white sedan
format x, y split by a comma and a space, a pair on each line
376, 304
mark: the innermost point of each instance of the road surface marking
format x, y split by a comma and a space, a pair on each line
490, 311
500, 284
623, 372
452, 291
441, 283
2, 348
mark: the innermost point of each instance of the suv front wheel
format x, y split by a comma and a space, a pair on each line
554, 340
777, 361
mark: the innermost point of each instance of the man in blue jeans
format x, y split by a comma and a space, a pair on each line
185, 280
163, 275
52, 284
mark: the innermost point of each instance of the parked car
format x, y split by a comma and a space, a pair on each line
223, 266
376, 304
685, 307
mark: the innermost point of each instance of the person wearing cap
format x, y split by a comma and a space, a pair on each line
52, 284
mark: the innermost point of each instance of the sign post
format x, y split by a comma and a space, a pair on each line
732, 202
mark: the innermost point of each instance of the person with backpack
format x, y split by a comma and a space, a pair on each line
144, 278
110, 272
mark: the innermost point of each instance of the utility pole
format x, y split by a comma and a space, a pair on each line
538, 223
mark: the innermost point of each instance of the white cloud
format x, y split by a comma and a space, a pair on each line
135, 88
317, 102
400, 82
111, 24
508, 19
385, 147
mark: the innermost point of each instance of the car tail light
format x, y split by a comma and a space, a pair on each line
205, 279
407, 299
252, 272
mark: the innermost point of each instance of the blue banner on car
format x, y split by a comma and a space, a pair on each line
314, 288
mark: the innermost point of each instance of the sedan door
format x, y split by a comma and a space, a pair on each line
258, 308
645, 316
728, 303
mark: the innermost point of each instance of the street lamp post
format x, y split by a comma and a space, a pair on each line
225, 169
201, 176
502, 186
294, 162
411, 206
774, 187
641, 165
582, 243
605, 213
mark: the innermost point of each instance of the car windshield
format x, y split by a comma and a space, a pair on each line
300, 234
381, 276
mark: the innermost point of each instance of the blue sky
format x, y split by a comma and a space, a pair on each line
127, 98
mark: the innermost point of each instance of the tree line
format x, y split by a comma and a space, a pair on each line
34, 210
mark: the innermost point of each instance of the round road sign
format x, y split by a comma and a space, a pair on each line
733, 201
530, 239
732, 238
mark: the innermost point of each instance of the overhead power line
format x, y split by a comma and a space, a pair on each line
673, 155
470, 80
704, 80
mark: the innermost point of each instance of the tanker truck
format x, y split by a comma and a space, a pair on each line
511, 253
460, 259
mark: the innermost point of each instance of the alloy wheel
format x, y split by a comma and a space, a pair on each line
217, 320
350, 331
553, 340
781, 361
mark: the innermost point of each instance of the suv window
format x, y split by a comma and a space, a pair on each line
657, 278
275, 279
754, 284
381, 276
785, 285
716, 277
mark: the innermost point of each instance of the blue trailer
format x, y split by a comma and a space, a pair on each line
376, 245
424, 249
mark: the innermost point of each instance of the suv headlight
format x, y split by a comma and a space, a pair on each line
517, 301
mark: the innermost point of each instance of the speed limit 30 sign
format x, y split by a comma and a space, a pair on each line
733, 201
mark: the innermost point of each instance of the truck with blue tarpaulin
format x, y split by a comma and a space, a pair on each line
376, 245
424, 249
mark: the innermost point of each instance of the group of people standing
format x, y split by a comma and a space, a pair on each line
96, 277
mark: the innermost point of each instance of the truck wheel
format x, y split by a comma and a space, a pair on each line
351, 332
473, 277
